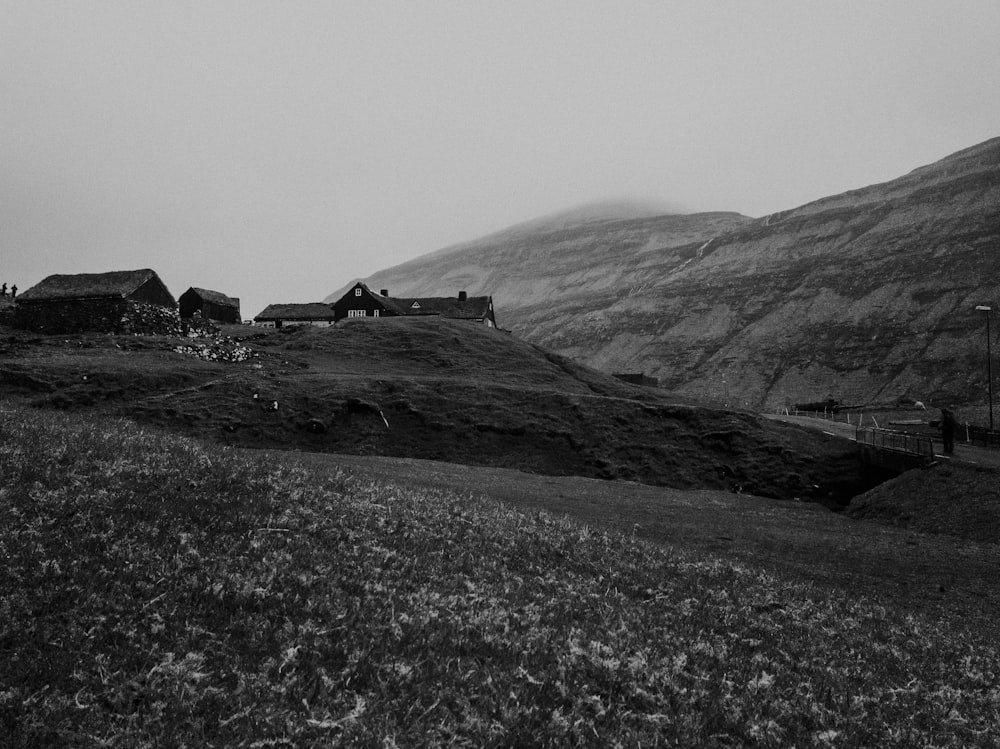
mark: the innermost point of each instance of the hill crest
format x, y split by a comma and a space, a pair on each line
428, 388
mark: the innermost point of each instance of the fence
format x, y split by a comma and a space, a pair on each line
841, 415
878, 444
980, 436
876, 417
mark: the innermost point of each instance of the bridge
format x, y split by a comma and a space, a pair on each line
971, 447
892, 450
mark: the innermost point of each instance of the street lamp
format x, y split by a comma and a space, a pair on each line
989, 359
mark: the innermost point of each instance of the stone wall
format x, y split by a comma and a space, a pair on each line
191, 304
107, 315
149, 319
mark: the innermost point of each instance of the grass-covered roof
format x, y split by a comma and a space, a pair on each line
301, 311
217, 297
114, 284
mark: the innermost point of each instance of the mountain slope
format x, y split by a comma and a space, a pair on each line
867, 296
527, 264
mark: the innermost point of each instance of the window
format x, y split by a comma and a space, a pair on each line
415, 305
357, 291
356, 313
375, 313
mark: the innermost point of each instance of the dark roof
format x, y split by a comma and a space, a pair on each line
119, 283
471, 308
306, 311
215, 296
390, 303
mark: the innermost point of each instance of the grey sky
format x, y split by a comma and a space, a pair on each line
275, 151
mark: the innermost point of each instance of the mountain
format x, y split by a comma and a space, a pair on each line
866, 297
577, 258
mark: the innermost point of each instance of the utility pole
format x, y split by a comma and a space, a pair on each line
989, 358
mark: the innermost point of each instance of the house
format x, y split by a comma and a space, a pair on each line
637, 378
124, 301
360, 301
210, 305
283, 315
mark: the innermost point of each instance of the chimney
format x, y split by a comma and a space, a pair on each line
462, 296
384, 292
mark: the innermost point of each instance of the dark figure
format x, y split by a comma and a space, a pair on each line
3, 290
948, 430
13, 291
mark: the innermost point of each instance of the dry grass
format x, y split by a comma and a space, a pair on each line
155, 592
936, 574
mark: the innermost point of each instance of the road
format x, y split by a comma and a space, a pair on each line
964, 453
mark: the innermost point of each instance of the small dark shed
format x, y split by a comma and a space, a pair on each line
637, 378
118, 301
212, 305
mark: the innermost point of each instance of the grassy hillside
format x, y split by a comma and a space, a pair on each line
158, 592
431, 388
918, 565
956, 499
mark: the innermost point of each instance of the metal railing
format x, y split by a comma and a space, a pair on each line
980, 436
902, 442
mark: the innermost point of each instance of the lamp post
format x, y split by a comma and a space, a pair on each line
989, 359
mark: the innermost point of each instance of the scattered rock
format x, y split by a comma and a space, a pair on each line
316, 426
220, 349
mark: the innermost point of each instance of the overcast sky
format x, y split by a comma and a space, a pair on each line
276, 151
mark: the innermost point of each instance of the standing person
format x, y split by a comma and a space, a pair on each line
948, 430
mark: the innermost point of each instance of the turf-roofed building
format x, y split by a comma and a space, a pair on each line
315, 314
360, 301
128, 301
209, 305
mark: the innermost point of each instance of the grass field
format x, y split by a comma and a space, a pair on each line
156, 591
925, 544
